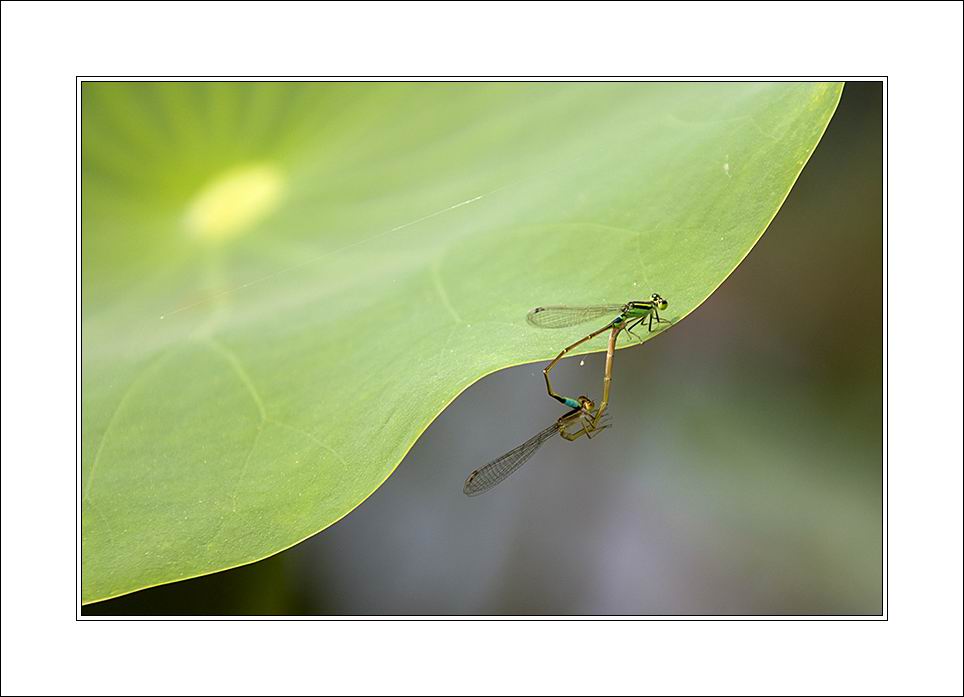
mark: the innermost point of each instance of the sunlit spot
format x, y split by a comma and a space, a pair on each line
235, 201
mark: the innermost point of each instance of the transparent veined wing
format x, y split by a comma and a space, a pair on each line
560, 316
487, 476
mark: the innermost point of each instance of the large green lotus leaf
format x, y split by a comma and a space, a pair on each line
284, 284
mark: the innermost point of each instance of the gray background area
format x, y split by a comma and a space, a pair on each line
742, 474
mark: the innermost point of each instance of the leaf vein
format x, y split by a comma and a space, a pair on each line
312, 438
238, 367
121, 403
440, 289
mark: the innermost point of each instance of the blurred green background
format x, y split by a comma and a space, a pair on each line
742, 475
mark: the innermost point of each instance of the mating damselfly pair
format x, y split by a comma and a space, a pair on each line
584, 417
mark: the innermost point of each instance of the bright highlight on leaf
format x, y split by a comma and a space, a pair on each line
386, 243
235, 201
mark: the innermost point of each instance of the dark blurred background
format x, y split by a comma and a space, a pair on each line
742, 474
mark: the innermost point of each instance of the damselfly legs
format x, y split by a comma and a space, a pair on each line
627, 317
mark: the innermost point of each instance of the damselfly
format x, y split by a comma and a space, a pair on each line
486, 477
628, 316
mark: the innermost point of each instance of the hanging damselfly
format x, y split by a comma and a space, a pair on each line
583, 412
487, 476
627, 317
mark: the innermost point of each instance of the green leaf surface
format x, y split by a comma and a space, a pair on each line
284, 284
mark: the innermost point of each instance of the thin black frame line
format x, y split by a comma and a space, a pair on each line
484, 618
621, 78
78, 424
447, 79
78, 322
885, 523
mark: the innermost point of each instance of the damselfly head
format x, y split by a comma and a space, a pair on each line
659, 302
586, 403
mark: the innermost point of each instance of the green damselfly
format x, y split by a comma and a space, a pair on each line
486, 477
583, 412
627, 317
